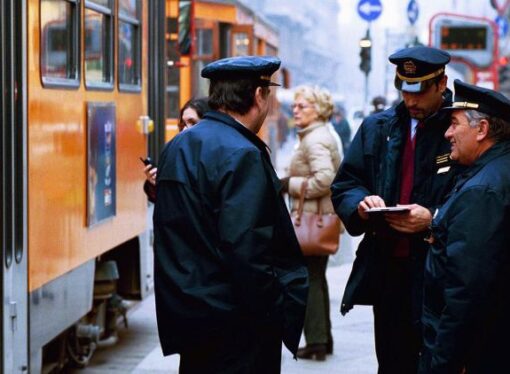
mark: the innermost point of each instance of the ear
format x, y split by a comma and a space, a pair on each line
443, 83
258, 96
483, 130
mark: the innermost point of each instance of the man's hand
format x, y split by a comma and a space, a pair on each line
372, 201
416, 220
150, 173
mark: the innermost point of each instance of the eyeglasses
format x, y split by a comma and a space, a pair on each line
300, 106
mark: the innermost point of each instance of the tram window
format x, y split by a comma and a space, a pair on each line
204, 42
129, 63
172, 82
59, 43
241, 44
204, 54
98, 44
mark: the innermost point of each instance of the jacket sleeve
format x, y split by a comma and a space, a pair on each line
475, 247
350, 186
246, 229
322, 169
150, 191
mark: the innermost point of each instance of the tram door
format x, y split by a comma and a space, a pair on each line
13, 326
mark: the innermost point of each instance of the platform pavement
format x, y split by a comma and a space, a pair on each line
138, 349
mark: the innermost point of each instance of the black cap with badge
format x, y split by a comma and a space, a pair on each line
417, 67
243, 67
471, 97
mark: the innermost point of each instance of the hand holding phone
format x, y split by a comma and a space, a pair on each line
147, 161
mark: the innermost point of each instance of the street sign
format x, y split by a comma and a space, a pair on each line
413, 11
502, 25
369, 10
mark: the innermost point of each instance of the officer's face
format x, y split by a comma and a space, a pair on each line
304, 112
463, 139
423, 104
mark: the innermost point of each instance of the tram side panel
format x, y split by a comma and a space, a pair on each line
63, 241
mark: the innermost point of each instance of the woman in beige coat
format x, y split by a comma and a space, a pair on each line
316, 159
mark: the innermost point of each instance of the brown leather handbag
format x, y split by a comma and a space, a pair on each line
318, 234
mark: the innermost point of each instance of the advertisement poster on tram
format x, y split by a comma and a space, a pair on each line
101, 200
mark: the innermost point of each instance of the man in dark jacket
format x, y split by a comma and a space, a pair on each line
230, 279
398, 156
467, 274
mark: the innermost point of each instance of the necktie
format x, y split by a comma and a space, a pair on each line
406, 187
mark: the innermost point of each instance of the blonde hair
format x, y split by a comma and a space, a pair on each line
320, 98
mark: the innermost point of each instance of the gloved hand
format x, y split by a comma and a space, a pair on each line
285, 184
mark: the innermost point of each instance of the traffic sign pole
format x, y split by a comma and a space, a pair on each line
500, 5
369, 10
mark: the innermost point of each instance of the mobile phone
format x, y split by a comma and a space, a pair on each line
147, 161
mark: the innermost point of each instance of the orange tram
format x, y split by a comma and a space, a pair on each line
88, 87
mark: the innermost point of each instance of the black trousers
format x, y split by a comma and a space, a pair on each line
317, 326
397, 335
246, 349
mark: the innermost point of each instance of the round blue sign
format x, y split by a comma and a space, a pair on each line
413, 11
369, 10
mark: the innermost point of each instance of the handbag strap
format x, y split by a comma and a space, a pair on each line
301, 201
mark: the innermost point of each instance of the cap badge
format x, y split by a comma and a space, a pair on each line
410, 67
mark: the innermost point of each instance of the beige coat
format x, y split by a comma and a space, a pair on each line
317, 159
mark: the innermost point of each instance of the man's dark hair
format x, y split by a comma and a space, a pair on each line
233, 95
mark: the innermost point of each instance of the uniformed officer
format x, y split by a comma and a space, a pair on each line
230, 279
398, 156
467, 274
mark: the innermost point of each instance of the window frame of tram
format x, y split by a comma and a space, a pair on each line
98, 39
129, 59
204, 53
59, 50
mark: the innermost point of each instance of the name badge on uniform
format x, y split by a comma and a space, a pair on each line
443, 170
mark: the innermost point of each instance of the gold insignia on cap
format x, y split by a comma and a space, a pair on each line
465, 104
420, 79
409, 67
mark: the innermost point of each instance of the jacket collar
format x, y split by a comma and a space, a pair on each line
232, 122
308, 129
497, 150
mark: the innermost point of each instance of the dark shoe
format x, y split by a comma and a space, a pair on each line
329, 347
315, 352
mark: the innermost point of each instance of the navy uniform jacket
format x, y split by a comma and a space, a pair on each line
466, 313
225, 249
373, 167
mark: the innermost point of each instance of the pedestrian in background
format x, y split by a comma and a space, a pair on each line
378, 104
467, 275
315, 161
342, 128
191, 113
230, 280
398, 156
